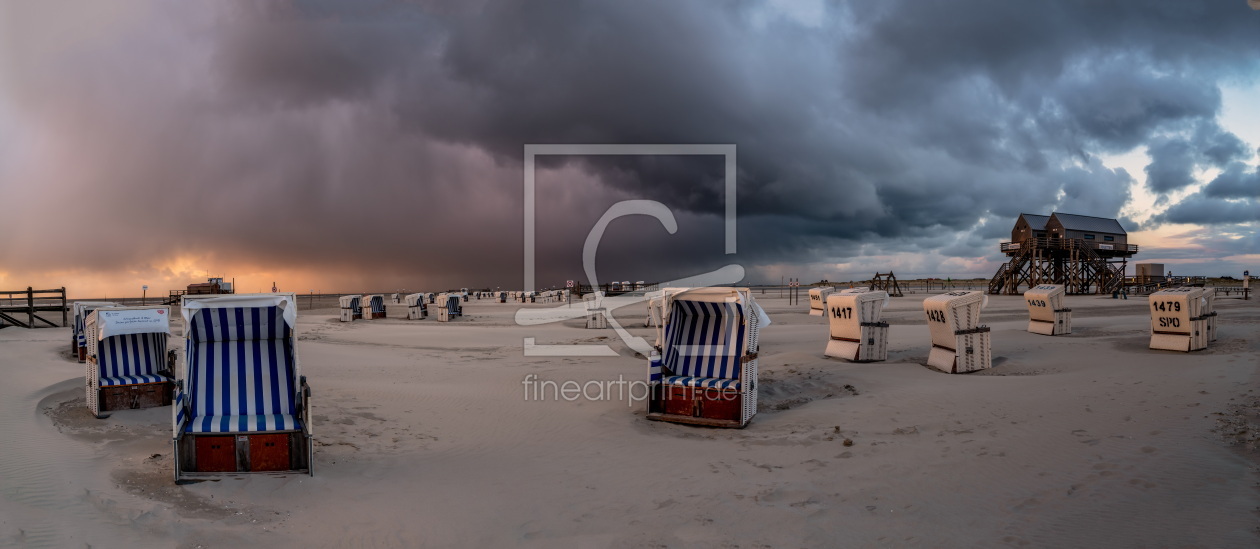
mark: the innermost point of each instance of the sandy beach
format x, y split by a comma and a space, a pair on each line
425, 437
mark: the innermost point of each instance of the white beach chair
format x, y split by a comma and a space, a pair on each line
596, 314
707, 372
416, 307
374, 305
856, 331
655, 302
1177, 321
127, 363
351, 308
241, 403
959, 343
449, 307
818, 300
1046, 313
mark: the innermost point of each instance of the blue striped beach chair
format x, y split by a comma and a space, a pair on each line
241, 404
351, 308
449, 307
78, 341
375, 305
417, 309
706, 373
127, 364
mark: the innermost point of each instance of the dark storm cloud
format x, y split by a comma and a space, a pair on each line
1172, 165
1236, 181
1201, 209
386, 138
1174, 159
1231, 197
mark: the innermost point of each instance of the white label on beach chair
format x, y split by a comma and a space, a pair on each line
132, 321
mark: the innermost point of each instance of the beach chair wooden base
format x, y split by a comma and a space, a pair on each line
873, 347
210, 455
81, 352
696, 406
378, 315
1062, 324
1195, 340
135, 397
1171, 342
972, 352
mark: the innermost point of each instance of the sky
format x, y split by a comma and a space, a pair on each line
379, 145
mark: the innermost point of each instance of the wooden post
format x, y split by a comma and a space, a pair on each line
63, 307
30, 306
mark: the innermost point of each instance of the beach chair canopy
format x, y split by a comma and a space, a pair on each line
859, 290
351, 302
452, 303
952, 312
849, 311
241, 371
81, 311
414, 300
881, 296
1044, 300
818, 297
130, 344
707, 336
1173, 309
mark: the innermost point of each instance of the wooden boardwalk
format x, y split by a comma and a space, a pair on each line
28, 303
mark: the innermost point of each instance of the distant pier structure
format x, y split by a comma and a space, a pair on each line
1087, 254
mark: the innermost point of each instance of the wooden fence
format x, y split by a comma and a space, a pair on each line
30, 302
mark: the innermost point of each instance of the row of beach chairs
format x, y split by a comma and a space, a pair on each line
366, 307
449, 306
704, 367
239, 401
240, 404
